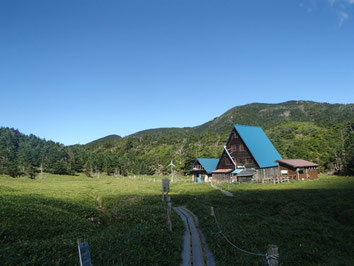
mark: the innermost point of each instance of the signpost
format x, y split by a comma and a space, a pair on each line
84, 253
166, 189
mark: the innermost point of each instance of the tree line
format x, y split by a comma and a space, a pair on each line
331, 146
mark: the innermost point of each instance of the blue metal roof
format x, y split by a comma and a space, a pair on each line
238, 170
209, 164
259, 145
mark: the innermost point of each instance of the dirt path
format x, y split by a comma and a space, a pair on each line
227, 193
195, 248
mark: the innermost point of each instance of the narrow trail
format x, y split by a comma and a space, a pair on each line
195, 249
227, 193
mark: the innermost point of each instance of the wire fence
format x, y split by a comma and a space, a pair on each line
266, 255
176, 179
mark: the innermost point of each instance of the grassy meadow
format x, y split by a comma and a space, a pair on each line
123, 219
312, 222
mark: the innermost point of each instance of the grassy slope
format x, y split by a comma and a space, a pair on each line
41, 220
98, 142
264, 115
311, 222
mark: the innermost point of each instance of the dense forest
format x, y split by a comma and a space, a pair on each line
319, 132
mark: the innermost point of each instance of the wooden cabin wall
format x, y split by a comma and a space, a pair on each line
243, 179
312, 172
225, 162
291, 172
239, 151
266, 172
222, 177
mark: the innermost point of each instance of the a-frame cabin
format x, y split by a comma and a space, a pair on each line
203, 168
248, 148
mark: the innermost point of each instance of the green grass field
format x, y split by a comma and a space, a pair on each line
312, 222
123, 219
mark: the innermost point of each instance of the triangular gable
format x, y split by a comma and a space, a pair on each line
209, 164
258, 143
227, 154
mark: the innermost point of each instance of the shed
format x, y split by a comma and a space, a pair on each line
298, 169
246, 175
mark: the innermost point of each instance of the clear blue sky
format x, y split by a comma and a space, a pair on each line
74, 71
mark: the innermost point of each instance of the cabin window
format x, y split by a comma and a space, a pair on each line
197, 166
301, 171
241, 147
284, 172
233, 148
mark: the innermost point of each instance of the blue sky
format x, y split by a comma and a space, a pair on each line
74, 71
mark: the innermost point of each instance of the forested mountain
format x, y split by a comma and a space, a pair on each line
102, 141
27, 155
266, 116
318, 132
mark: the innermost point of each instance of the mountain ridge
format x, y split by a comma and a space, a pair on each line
318, 132
109, 138
264, 115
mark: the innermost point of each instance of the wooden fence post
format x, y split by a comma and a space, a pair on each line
273, 255
169, 207
165, 187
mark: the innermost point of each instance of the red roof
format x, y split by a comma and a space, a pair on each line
297, 163
223, 170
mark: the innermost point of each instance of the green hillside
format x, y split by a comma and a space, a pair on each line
266, 116
319, 132
108, 139
269, 115
298, 129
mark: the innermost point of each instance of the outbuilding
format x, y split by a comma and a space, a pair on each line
297, 169
203, 168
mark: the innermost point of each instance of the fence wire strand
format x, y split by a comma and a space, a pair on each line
266, 255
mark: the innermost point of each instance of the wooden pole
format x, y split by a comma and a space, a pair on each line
41, 167
273, 255
169, 206
171, 172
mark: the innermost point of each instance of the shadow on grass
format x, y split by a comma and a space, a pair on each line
309, 226
40, 230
